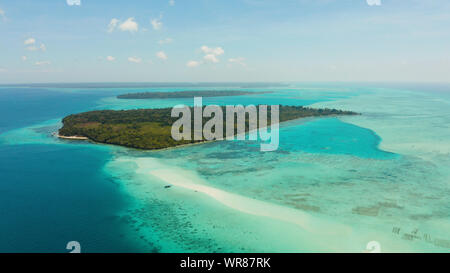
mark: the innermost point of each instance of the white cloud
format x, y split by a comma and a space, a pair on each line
373, 2
29, 41
2, 70
2, 14
192, 64
24, 58
31, 45
214, 51
134, 60
211, 55
165, 41
110, 58
156, 23
74, 2
129, 25
112, 24
32, 48
238, 60
211, 58
42, 63
161, 55
172, 2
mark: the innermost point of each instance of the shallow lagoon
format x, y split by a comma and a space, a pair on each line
335, 184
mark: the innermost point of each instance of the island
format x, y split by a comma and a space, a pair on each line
188, 94
150, 129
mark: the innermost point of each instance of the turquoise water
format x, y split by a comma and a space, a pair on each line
334, 184
331, 136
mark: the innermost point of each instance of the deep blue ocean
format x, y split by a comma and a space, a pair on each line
53, 194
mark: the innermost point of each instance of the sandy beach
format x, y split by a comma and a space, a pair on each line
71, 137
305, 223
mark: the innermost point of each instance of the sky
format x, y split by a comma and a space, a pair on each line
224, 40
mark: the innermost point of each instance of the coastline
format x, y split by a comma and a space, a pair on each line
70, 137
304, 119
82, 138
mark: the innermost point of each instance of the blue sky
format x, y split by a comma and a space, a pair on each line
226, 40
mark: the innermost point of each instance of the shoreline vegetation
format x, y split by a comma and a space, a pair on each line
188, 94
150, 129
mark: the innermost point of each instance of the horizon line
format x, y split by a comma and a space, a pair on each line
216, 82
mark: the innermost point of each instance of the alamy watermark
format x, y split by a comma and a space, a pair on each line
74, 247
373, 247
237, 116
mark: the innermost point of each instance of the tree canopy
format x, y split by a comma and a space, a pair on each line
151, 128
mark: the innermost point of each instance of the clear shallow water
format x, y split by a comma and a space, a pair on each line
353, 179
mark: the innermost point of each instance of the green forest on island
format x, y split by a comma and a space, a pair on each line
151, 128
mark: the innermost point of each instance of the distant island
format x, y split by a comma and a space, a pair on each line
150, 129
187, 94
